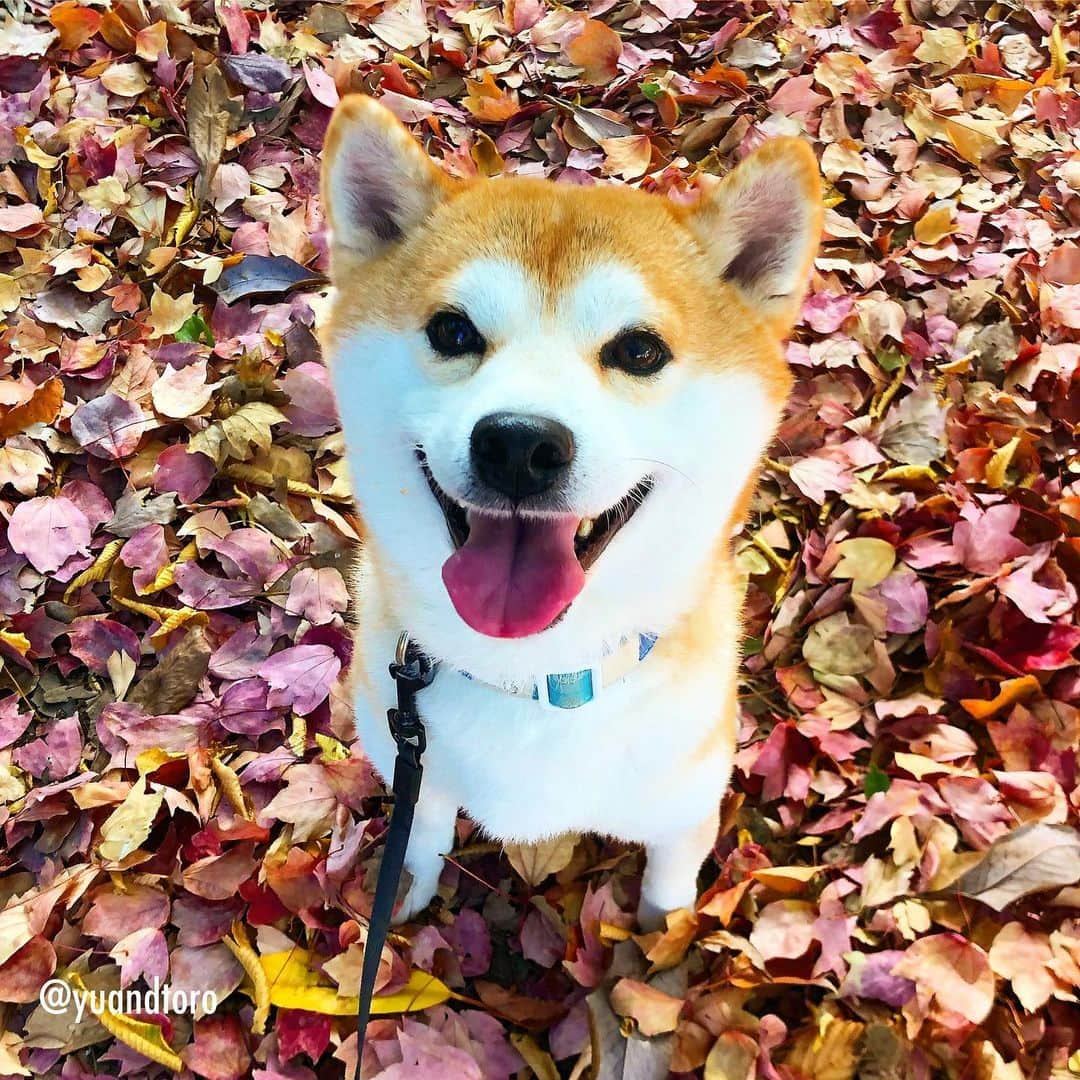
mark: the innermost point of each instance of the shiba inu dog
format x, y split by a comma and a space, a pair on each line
554, 400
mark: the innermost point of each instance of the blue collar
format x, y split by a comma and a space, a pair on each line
572, 689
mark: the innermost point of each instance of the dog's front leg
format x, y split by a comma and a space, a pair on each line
432, 836
671, 870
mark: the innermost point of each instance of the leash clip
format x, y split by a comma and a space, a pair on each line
411, 671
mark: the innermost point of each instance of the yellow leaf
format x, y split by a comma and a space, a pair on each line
96, 572
943, 48
1007, 93
174, 620
919, 765
143, 1037
999, 462
92, 278
910, 474
973, 139
168, 314
229, 783
19, 642
167, 574
936, 223
10, 293
486, 155
332, 750
125, 80
251, 962
827, 1053
1011, 691
263, 478
539, 1061
33, 151
732, 1057
185, 219
786, 879
294, 985
866, 560
170, 618
297, 739
1059, 61
150, 760
129, 824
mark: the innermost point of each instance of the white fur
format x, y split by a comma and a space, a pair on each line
625, 764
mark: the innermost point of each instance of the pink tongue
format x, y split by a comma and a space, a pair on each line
513, 577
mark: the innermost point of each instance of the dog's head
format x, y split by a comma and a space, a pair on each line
554, 397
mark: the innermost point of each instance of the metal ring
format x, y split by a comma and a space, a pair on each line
402, 647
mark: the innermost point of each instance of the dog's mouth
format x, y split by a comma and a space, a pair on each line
515, 575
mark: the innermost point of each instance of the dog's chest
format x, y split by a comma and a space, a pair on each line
525, 772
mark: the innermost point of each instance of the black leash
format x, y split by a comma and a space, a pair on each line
412, 671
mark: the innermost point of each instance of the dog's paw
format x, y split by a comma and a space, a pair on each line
423, 882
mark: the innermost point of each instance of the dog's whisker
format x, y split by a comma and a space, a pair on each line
665, 465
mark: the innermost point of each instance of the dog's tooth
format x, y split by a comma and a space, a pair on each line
585, 528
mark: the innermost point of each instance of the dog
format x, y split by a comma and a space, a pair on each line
555, 400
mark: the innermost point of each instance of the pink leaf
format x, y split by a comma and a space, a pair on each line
48, 531
300, 677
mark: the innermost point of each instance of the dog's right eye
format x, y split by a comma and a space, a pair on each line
452, 334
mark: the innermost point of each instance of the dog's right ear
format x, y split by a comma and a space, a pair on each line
377, 181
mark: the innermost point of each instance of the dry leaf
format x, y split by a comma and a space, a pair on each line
536, 862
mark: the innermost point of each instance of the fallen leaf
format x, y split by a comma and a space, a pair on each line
534, 863
264, 275
295, 985
1030, 859
596, 49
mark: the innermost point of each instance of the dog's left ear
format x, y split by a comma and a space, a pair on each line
377, 181
762, 226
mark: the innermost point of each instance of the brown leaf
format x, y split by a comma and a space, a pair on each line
540, 1061
597, 124
486, 155
827, 1051
617, 1056
173, 681
535, 862
42, 408
527, 1012
1033, 858
210, 116
733, 1057
656, 1013
628, 157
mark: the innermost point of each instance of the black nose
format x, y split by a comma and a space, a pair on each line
520, 455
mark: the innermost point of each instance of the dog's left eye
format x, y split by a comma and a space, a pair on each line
452, 334
637, 352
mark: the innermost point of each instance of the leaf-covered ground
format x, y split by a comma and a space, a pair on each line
895, 893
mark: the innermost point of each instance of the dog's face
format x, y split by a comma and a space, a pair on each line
554, 398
